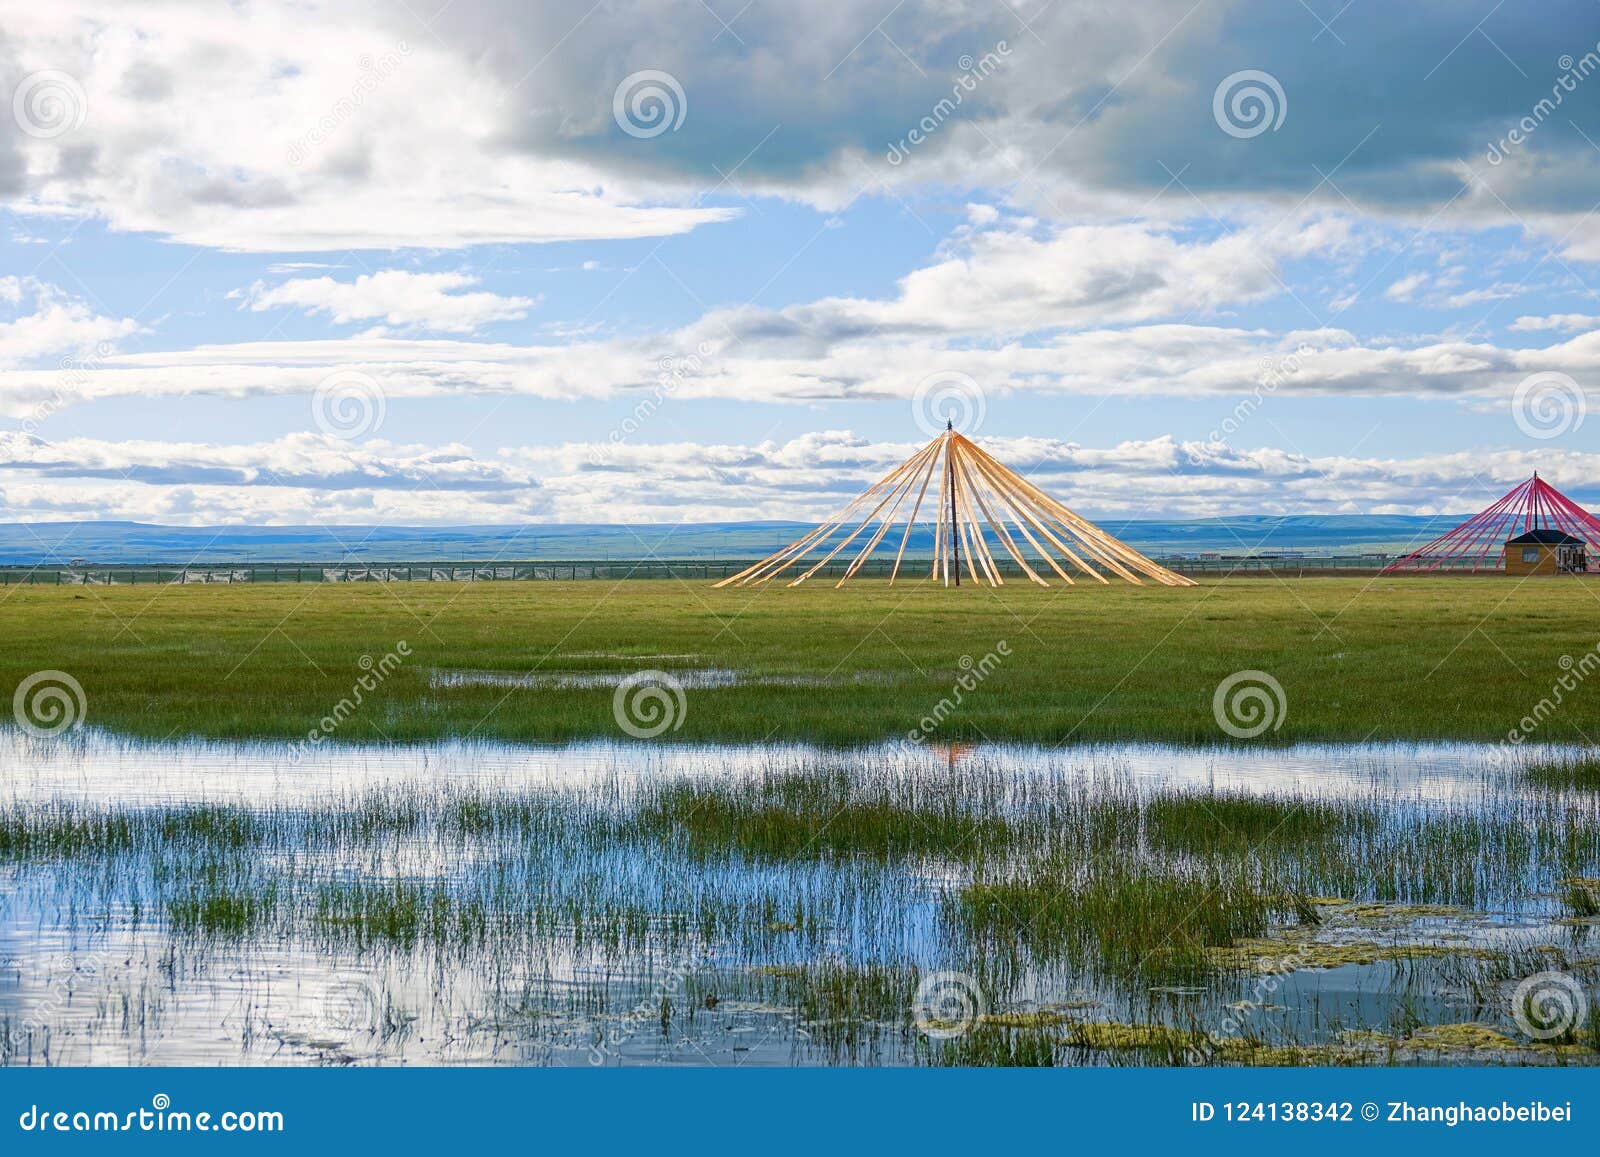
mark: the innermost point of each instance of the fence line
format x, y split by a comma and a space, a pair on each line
580, 569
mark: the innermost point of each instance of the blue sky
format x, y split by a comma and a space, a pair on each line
301, 263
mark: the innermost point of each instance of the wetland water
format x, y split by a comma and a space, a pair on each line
647, 903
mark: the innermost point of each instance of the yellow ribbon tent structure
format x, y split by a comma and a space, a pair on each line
974, 490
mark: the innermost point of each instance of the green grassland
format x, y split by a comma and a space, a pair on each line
1358, 658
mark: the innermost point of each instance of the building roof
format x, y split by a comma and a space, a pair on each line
1547, 536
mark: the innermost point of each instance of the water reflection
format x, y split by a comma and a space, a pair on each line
626, 903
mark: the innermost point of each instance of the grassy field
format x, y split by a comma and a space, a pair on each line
1357, 658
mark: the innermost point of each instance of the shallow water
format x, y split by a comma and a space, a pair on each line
599, 949
95, 766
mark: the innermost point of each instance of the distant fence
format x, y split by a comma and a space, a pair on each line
697, 570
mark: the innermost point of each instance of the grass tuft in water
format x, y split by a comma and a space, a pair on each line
1141, 920
1581, 772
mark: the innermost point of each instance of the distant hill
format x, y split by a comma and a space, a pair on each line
132, 542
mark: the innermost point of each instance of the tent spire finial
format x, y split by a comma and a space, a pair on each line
949, 423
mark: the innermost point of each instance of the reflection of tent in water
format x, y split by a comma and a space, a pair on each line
971, 491
1532, 529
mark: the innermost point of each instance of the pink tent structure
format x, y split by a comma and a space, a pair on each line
1479, 543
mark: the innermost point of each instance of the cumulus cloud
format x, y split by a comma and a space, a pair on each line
1107, 237
308, 479
1080, 309
232, 127
832, 355
48, 323
290, 127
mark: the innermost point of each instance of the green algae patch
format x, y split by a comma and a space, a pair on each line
1344, 936
1285, 954
1581, 896
1377, 913
1299, 1056
781, 971
1114, 1035
1033, 1018
1470, 1036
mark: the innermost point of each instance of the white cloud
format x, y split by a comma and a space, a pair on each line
767, 357
312, 479
54, 325
1405, 288
1563, 322
289, 127
401, 299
